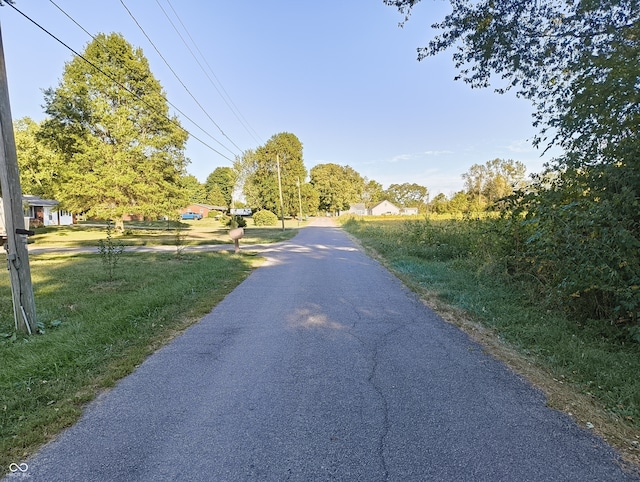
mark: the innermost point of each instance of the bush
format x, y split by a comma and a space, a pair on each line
265, 218
236, 222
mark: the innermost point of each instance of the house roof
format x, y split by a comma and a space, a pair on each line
358, 206
32, 200
209, 206
383, 202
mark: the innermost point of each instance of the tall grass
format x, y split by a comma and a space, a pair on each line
469, 264
96, 330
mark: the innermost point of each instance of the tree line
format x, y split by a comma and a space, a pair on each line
109, 148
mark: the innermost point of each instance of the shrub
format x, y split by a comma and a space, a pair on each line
236, 222
265, 218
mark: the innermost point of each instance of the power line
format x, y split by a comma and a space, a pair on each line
173, 121
179, 79
225, 97
106, 49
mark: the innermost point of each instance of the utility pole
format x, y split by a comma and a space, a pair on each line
24, 307
280, 189
299, 201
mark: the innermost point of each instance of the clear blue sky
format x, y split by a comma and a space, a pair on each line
339, 74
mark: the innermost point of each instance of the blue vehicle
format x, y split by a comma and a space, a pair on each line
195, 216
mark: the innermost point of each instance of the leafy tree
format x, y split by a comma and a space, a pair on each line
261, 188
439, 204
38, 164
195, 190
496, 179
408, 195
575, 61
372, 193
338, 186
220, 186
571, 59
310, 199
122, 152
459, 203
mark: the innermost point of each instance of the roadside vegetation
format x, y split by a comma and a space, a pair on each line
467, 269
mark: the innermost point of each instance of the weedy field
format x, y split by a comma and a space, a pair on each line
462, 268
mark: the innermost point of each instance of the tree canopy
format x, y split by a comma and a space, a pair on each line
260, 169
372, 193
110, 123
38, 164
487, 183
338, 186
577, 62
408, 195
220, 185
194, 189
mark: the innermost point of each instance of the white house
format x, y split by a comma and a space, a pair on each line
45, 211
359, 209
409, 211
385, 208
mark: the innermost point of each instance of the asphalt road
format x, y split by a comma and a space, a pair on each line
322, 366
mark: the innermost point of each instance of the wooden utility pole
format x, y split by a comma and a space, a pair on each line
299, 202
280, 189
24, 307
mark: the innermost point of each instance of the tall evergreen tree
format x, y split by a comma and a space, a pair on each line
109, 120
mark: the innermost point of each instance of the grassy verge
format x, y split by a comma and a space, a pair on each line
96, 331
586, 368
205, 231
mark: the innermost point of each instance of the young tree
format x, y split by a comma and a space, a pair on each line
110, 123
338, 186
261, 186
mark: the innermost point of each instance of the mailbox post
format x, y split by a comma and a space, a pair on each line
236, 234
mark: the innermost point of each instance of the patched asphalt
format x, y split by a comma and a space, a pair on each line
321, 365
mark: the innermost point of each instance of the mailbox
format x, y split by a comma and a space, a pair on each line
236, 233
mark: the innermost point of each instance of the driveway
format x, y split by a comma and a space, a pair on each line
321, 365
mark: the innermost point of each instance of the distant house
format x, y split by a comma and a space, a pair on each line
359, 209
45, 212
39, 212
409, 211
385, 208
202, 209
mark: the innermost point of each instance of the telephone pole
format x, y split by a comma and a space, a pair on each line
280, 189
299, 201
24, 307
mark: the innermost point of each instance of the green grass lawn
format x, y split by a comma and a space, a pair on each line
586, 368
204, 231
96, 329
